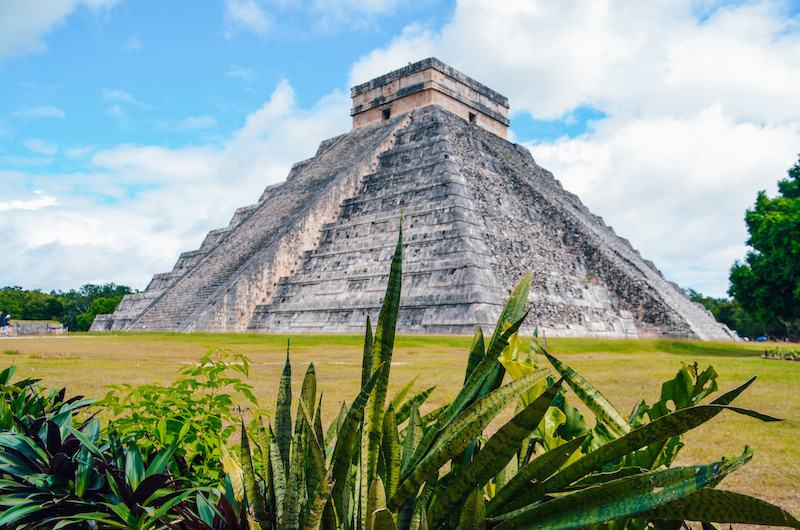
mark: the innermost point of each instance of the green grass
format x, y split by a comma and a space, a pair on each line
624, 370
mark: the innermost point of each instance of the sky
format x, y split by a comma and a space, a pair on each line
128, 130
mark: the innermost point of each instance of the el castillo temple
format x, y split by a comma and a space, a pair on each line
312, 255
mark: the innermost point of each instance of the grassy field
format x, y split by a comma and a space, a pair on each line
623, 370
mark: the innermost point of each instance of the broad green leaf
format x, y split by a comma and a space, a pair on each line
473, 515
376, 500
592, 398
621, 498
727, 507
492, 459
459, 433
283, 413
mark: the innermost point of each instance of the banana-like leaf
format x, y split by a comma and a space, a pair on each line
718, 506
345, 443
658, 430
621, 498
476, 353
592, 398
459, 434
283, 413
383, 345
492, 459
255, 500
390, 447
473, 516
468, 391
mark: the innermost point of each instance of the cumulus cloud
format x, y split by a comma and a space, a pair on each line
137, 207
247, 15
698, 104
187, 124
24, 24
40, 146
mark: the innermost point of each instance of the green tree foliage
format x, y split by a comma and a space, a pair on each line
75, 309
730, 313
767, 285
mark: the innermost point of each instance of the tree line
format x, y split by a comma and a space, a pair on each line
75, 309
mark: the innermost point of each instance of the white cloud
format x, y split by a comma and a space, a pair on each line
121, 96
247, 15
134, 45
43, 147
241, 72
42, 111
23, 24
699, 97
187, 124
138, 207
41, 201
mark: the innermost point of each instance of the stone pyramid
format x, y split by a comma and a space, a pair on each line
312, 256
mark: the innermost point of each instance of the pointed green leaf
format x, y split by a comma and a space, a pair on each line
383, 346
535, 471
390, 447
719, 506
476, 353
493, 458
278, 479
473, 516
591, 397
366, 360
395, 403
621, 498
283, 413
317, 506
459, 433
383, 519
251, 491
405, 409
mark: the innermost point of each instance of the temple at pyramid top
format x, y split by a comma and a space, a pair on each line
429, 82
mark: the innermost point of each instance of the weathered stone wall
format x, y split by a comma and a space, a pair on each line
23, 327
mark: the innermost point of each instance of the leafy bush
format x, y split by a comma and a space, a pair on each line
195, 412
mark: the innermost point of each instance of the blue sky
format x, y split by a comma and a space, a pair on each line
128, 130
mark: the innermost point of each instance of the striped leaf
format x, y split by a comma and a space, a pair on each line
658, 430
283, 412
467, 392
383, 346
535, 471
591, 397
383, 519
278, 474
345, 444
398, 398
405, 409
621, 498
390, 447
476, 353
366, 360
317, 507
473, 516
413, 436
255, 501
493, 458
459, 434
717, 506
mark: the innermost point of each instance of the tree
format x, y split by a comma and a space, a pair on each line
767, 285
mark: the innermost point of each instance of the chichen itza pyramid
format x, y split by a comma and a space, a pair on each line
312, 255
